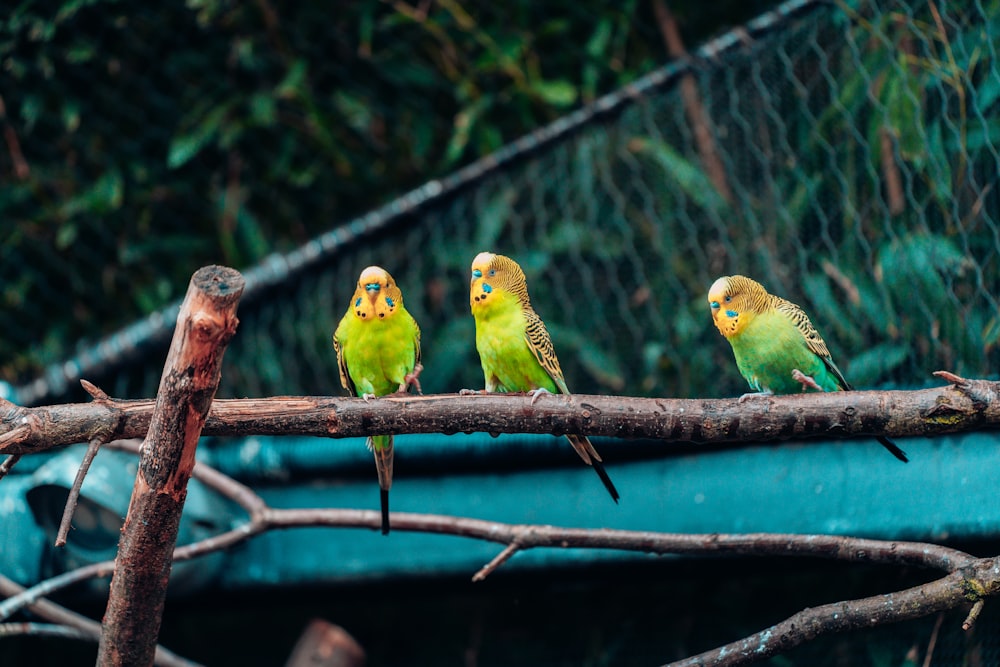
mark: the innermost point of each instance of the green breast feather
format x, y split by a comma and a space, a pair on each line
509, 363
772, 346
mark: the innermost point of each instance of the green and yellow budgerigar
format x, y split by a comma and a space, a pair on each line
514, 346
378, 351
777, 349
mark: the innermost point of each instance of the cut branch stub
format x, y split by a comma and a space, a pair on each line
205, 325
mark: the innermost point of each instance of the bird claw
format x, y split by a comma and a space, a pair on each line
754, 394
411, 379
535, 393
367, 397
806, 381
471, 392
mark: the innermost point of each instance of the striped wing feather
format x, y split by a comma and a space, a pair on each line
540, 343
345, 374
813, 340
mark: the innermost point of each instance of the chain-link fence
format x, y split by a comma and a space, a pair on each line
844, 154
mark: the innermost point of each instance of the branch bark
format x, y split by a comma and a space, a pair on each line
964, 405
205, 324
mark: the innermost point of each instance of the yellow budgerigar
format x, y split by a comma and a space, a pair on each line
378, 351
777, 348
514, 346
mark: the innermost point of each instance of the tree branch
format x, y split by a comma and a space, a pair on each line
70, 619
205, 325
949, 592
963, 405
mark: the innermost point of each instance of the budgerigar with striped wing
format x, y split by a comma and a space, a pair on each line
378, 351
777, 348
514, 346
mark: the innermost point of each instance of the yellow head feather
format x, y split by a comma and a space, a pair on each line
493, 275
735, 301
377, 296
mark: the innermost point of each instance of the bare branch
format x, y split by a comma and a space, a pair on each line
977, 609
42, 630
74, 492
948, 592
961, 406
499, 560
9, 463
932, 642
205, 325
58, 614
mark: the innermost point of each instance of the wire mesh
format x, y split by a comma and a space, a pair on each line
844, 154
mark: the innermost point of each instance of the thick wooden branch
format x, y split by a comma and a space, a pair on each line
205, 325
963, 405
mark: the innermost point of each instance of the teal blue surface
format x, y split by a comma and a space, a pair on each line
843, 487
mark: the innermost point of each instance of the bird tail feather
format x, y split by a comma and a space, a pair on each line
585, 449
381, 446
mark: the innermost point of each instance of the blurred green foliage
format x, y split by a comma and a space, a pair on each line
146, 140
859, 143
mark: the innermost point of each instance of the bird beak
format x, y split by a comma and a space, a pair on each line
373, 290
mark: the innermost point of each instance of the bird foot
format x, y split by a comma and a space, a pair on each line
754, 394
471, 392
806, 381
367, 397
535, 393
410, 379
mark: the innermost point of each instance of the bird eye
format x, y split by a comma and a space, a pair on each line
493, 272
728, 298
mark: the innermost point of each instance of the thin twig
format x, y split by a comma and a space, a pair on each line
9, 463
499, 560
57, 614
34, 594
42, 630
21, 168
74, 492
977, 609
932, 642
952, 378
